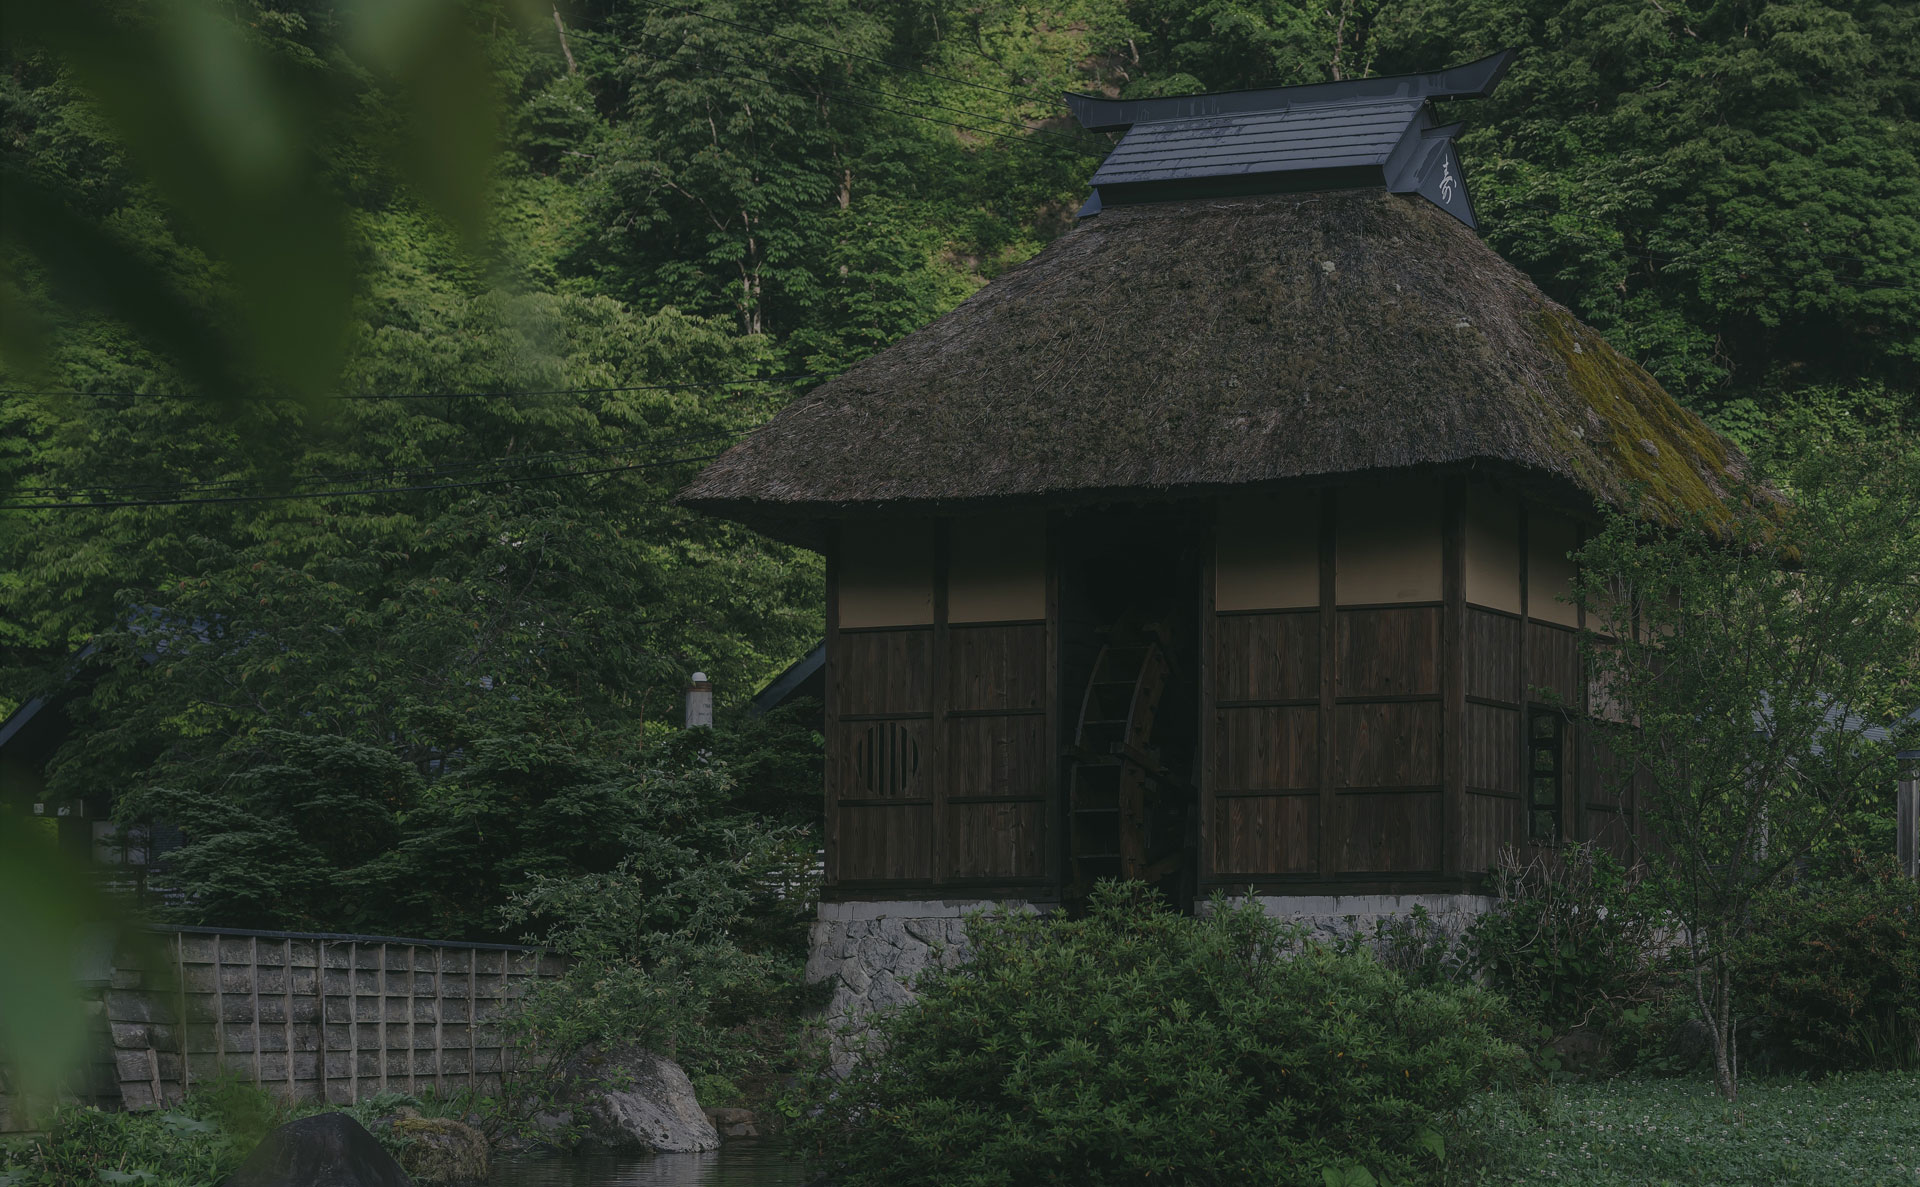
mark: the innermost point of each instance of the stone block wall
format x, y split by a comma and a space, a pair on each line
1334, 916
871, 953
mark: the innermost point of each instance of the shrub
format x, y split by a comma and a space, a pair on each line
197, 1144
1138, 1044
658, 949
1567, 941
1832, 980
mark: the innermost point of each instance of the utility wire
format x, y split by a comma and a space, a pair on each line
1025, 140
835, 49
406, 473
373, 490
503, 394
1066, 138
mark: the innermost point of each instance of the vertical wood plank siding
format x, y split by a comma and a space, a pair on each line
939, 764
1341, 744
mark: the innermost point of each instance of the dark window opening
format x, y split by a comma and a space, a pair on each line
1546, 730
887, 759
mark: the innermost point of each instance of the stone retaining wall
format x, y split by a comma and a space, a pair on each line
871, 952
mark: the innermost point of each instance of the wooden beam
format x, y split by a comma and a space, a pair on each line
1453, 676
1055, 833
830, 689
1523, 759
1329, 639
1209, 723
941, 865
1573, 793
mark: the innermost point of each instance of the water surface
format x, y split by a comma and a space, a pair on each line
736, 1164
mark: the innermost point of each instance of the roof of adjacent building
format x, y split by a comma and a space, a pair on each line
1193, 346
1335, 135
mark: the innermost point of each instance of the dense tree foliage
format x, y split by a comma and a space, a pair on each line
693, 195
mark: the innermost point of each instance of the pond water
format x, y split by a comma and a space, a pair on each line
736, 1164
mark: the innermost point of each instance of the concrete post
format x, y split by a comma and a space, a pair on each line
1907, 813
699, 701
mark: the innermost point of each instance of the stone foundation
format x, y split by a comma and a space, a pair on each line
1333, 916
871, 952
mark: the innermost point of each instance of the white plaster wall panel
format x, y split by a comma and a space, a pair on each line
997, 568
1386, 543
1267, 552
886, 573
1550, 538
1493, 550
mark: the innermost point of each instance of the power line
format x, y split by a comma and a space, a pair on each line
364, 491
405, 472
1028, 142
765, 32
502, 394
1066, 138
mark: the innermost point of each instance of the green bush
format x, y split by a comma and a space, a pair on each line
692, 945
1136, 1044
1567, 941
84, 1147
1832, 980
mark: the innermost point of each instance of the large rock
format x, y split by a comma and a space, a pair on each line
440, 1149
633, 1099
324, 1150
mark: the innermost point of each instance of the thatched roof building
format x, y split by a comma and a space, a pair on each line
1181, 346
1229, 541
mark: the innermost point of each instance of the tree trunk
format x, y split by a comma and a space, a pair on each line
1716, 1010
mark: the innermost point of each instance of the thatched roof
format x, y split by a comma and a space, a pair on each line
1184, 346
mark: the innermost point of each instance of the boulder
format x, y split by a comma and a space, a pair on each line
324, 1150
441, 1150
735, 1123
633, 1099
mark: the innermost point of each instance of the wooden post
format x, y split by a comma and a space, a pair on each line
413, 977
938, 700
830, 714
1907, 813
320, 1018
1523, 756
219, 1007
383, 1017
1057, 830
180, 966
439, 1005
1329, 640
286, 1000
353, 1021
1453, 676
253, 993
1209, 723
473, 1022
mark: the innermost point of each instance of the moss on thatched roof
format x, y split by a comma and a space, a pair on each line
1177, 347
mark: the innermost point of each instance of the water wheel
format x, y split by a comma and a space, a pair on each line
1116, 775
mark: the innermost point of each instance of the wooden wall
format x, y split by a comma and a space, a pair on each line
1375, 658
1383, 743
940, 736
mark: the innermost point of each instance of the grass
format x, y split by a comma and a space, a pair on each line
1855, 1129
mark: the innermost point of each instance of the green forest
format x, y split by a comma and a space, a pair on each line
385, 639
352, 353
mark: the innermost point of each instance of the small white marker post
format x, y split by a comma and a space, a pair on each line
699, 701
